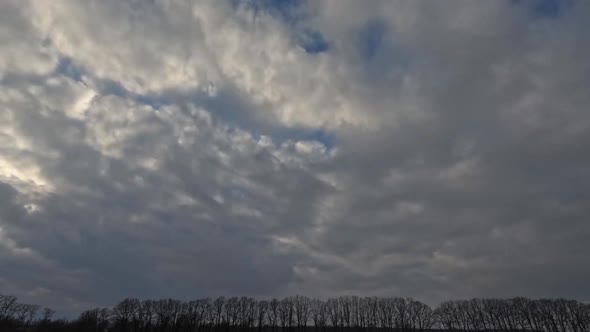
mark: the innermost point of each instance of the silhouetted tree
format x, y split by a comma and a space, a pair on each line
246, 314
319, 314
94, 320
273, 313
302, 310
261, 313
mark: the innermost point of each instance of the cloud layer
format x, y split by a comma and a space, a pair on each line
201, 148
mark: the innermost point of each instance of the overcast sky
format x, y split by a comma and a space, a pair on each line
433, 149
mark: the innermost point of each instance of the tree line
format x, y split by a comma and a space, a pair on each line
304, 314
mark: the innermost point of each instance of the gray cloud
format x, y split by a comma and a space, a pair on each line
166, 148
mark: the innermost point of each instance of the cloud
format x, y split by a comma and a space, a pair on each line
178, 149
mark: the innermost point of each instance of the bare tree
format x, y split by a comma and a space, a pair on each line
124, 312
372, 308
385, 312
48, 314
333, 310
245, 313
167, 312
421, 316
32, 310
197, 313
95, 320
345, 306
217, 311
21, 311
262, 310
231, 311
445, 316
7, 306
273, 313
302, 310
286, 312
319, 313
144, 316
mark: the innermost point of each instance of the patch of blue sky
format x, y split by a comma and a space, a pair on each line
313, 42
68, 68
290, 11
371, 38
306, 134
550, 9
381, 56
319, 135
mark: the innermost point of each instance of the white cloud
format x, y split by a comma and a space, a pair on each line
428, 150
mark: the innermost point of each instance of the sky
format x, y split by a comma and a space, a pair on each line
186, 149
